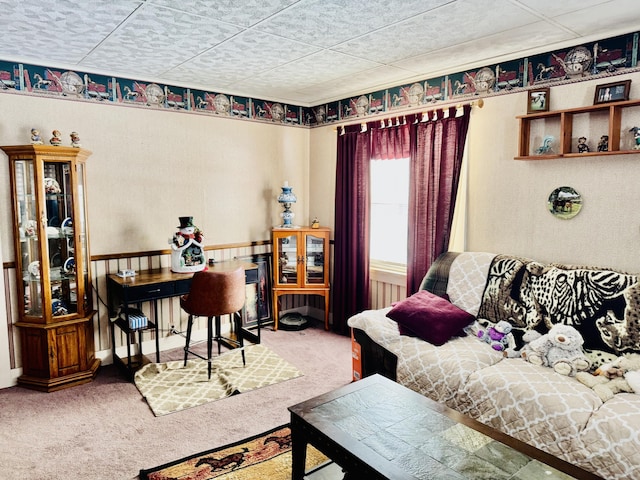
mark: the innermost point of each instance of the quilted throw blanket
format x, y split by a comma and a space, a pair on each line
604, 305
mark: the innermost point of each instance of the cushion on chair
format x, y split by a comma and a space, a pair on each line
215, 293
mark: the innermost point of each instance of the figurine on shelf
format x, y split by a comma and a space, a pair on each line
546, 145
582, 145
187, 250
75, 140
315, 223
603, 144
56, 140
36, 139
636, 137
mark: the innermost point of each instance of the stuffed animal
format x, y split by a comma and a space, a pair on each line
620, 375
499, 336
560, 349
528, 337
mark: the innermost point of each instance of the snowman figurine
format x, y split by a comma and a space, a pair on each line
187, 251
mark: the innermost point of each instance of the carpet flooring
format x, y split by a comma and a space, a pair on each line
263, 456
171, 386
105, 430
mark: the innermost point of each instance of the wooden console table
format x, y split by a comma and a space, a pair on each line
151, 286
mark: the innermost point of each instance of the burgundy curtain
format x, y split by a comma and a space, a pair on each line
351, 236
436, 158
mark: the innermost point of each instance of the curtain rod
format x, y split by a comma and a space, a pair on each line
444, 106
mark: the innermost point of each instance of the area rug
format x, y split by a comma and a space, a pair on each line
266, 456
171, 387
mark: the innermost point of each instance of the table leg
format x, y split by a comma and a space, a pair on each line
155, 315
298, 451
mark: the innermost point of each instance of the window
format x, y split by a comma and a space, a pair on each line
389, 213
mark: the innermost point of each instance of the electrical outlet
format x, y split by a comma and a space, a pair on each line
173, 330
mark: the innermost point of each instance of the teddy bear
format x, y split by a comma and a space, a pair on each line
498, 336
620, 375
560, 349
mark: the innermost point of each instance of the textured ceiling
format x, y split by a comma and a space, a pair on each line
304, 52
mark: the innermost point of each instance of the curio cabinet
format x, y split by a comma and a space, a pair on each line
301, 264
52, 265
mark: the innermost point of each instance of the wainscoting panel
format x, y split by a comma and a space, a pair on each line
386, 288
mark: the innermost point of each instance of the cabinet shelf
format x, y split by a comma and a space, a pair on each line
592, 121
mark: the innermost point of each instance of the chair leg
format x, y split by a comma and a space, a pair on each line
186, 347
218, 334
238, 325
209, 342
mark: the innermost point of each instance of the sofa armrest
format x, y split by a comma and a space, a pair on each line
375, 358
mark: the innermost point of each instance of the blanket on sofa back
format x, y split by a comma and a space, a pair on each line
603, 305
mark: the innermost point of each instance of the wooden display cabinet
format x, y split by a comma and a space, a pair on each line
566, 126
301, 265
52, 266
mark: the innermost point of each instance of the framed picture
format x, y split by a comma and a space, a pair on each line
612, 92
258, 303
538, 100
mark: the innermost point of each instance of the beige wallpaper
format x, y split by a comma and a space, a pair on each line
149, 167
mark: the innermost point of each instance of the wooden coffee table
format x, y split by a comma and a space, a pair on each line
377, 429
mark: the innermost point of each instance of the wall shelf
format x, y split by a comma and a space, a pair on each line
566, 126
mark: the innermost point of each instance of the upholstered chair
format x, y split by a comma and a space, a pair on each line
214, 294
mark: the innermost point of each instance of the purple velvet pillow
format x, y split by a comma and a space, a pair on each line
429, 317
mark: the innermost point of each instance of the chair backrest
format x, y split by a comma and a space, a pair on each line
215, 293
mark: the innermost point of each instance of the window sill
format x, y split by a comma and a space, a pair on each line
391, 275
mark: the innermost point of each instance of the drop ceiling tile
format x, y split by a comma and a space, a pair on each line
34, 30
330, 22
244, 13
622, 16
554, 8
355, 84
247, 54
156, 38
432, 31
487, 50
320, 67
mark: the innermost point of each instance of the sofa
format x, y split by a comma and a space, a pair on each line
533, 403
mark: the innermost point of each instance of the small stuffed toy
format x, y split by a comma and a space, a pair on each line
499, 336
620, 375
528, 337
560, 349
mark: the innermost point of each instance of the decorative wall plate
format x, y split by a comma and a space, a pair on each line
564, 203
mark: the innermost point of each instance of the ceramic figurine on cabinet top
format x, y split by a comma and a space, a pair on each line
56, 140
582, 145
603, 144
187, 253
36, 139
75, 139
315, 223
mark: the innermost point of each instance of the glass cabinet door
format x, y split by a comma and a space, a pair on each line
47, 237
29, 234
314, 270
287, 248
